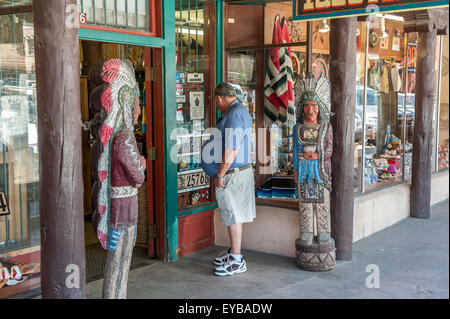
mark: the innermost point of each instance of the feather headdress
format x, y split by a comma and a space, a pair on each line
117, 101
310, 89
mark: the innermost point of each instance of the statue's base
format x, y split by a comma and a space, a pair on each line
315, 257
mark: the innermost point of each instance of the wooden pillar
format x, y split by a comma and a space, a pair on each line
428, 23
59, 131
343, 101
420, 196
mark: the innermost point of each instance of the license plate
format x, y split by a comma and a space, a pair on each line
192, 180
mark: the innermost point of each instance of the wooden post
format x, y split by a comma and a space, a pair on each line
428, 23
420, 196
343, 101
59, 131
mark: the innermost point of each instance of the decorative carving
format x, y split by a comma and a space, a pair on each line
118, 169
313, 143
426, 20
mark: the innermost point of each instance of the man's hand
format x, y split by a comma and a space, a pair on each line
143, 163
218, 182
311, 156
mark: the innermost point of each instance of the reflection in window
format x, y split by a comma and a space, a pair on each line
443, 134
194, 107
19, 158
384, 115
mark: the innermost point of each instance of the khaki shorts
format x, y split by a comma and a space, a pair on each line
236, 200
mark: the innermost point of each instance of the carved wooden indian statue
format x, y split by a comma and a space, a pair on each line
313, 146
117, 168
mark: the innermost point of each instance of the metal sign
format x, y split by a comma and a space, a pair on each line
192, 181
326, 9
4, 207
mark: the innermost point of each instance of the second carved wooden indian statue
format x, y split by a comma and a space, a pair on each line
313, 146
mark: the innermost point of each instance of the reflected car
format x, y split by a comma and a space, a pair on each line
371, 109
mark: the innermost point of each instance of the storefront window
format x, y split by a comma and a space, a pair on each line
360, 78
380, 103
195, 107
269, 31
443, 132
19, 157
129, 14
241, 75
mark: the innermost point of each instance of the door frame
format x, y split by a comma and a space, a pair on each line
162, 46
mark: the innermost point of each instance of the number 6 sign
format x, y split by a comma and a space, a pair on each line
83, 18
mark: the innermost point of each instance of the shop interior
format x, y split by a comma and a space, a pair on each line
91, 53
385, 83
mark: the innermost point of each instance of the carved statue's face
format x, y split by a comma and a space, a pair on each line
311, 111
137, 111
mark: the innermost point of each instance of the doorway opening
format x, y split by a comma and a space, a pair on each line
92, 52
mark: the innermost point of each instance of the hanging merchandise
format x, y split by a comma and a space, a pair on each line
384, 81
374, 77
373, 38
278, 84
396, 79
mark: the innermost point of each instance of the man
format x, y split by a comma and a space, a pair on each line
233, 176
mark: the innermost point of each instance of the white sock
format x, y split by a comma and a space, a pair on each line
237, 257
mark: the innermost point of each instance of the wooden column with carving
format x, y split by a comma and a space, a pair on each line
59, 131
428, 23
343, 101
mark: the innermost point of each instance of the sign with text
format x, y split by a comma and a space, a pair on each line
4, 208
327, 9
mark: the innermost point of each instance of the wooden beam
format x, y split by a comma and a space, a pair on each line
16, 10
420, 196
59, 131
343, 101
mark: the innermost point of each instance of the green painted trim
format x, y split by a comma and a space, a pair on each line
197, 210
219, 46
123, 38
170, 173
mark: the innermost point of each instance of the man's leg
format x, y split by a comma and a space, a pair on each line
235, 234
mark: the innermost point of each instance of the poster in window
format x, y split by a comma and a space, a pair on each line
197, 105
396, 44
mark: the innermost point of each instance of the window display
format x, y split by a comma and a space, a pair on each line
241, 75
194, 106
382, 109
443, 133
19, 157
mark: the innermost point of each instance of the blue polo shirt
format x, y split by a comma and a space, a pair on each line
234, 131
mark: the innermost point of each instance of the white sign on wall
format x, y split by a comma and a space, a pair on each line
197, 105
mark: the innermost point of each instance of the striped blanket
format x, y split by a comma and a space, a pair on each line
278, 84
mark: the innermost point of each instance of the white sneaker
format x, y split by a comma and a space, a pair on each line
230, 267
223, 257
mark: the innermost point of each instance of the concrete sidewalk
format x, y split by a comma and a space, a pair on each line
412, 256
